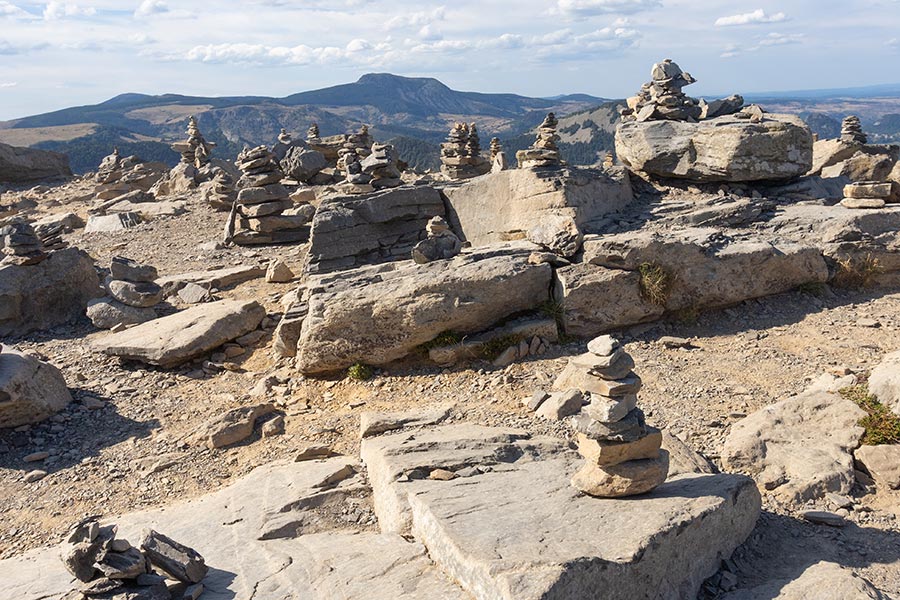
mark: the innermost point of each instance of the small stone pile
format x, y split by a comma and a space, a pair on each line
871, 194
263, 204
544, 153
623, 454
355, 180
851, 131
441, 243
498, 156
195, 150
133, 294
312, 134
381, 166
461, 154
359, 143
110, 567
20, 244
50, 235
663, 98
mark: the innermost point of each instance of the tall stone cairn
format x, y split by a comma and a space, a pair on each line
622, 454
544, 153
312, 134
461, 154
381, 166
196, 150
498, 156
496, 148
851, 131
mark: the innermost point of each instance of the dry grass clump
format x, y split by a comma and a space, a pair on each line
853, 273
655, 283
881, 424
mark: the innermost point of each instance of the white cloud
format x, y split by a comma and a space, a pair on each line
778, 39
60, 10
602, 7
276, 55
416, 19
893, 42
8, 9
8, 84
151, 7
750, 18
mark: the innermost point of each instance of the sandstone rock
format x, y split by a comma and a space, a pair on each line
122, 565
884, 382
106, 313
28, 165
821, 581
628, 478
215, 278
174, 559
41, 296
30, 390
862, 203
557, 234
232, 426
882, 463
177, 338
125, 269
604, 453
799, 448
827, 153
379, 314
722, 149
868, 189
682, 458
301, 163
870, 163
560, 405
112, 223
138, 295
193, 293
374, 423
278, 272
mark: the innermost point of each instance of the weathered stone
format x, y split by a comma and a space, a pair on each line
232, 426
603, 345
278, 272
610, 410
682, 458
799, 448
882, 463
629, 429
126, 269
28, 165
823, 517
262, 195
112, 223
177, 338
122, 565
193, 293
41, 296
602, 453
629, 478
215, 278
106, 313
863, 203
884, 382
726, 148
30, 390
138, 295
869, 189
174, 559
821, 581
558, 234
439, 247
560, 405
379, 314
375, 423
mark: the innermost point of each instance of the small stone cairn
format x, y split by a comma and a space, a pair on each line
263, 206
871, 194
20, 245
498, 156
544, 153
381, 166
312, 134
110, 567
461, 153
132, 296
851, 131
359, 143
441, 243
196, 150
623, 455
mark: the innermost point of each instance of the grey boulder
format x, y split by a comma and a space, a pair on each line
30, 390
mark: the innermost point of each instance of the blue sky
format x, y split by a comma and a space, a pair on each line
58, 54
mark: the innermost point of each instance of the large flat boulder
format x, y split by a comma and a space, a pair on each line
28, 165
30, 390
379, 314
799, 448
50, 293
722, 149
185, 335
214, 278
884, 381
508, 204
349, 231
516, 528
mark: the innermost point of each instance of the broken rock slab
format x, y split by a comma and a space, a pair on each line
232, 426
882, 463
112, 223
800, 448
30, 390
375, 423
106, 313
177, 338
214, 278
821, 581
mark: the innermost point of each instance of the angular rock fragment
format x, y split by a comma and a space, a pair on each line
174, 559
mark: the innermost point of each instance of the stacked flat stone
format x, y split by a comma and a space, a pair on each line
195, 150
663, 98
20, 245
381, 166
498, 156
461, 155
622, 454
312, 134
871, 194
359, 143
544, 153
132, 295
441, 243
851, 131
262, 202
50, 235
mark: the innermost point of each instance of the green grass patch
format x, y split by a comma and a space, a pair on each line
360, 372
448, 338
655, 283
813, 288
881, 424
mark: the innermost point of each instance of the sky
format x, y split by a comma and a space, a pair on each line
59, 54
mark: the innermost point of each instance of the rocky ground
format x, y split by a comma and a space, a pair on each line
125, 444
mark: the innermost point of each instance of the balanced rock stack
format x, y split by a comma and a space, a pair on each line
851, 131
871, 194
623, 455
461, 155
498, 156
544, 152
381, 166
312, 134
359, 143
50, 235
355, 180
662, 97
20, 244
196, 150
263, 203
440, 244
133, 294
110, 567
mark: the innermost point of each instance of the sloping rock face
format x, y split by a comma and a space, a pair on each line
177, 338
52, 292
378, 314
822, 581
519, 530
799, 448
350, 231
27, 165
506, 205
30, 390
722, 149
884, 382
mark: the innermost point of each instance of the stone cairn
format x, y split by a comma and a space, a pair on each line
110, 567
498, 156
381, 166
851, 131
461, 153
359, 143
544, 153
871, 194
196, 150
441, 243
312, 134
623, 455
20, 244
262, 204
132, 295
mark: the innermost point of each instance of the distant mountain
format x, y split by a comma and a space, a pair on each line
417, 112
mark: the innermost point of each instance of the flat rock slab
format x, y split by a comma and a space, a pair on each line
215, 278
521, 531
373, 423
177, 338
225, 528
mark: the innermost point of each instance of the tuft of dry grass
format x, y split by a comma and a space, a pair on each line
854, 273
655, 283
881, 424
